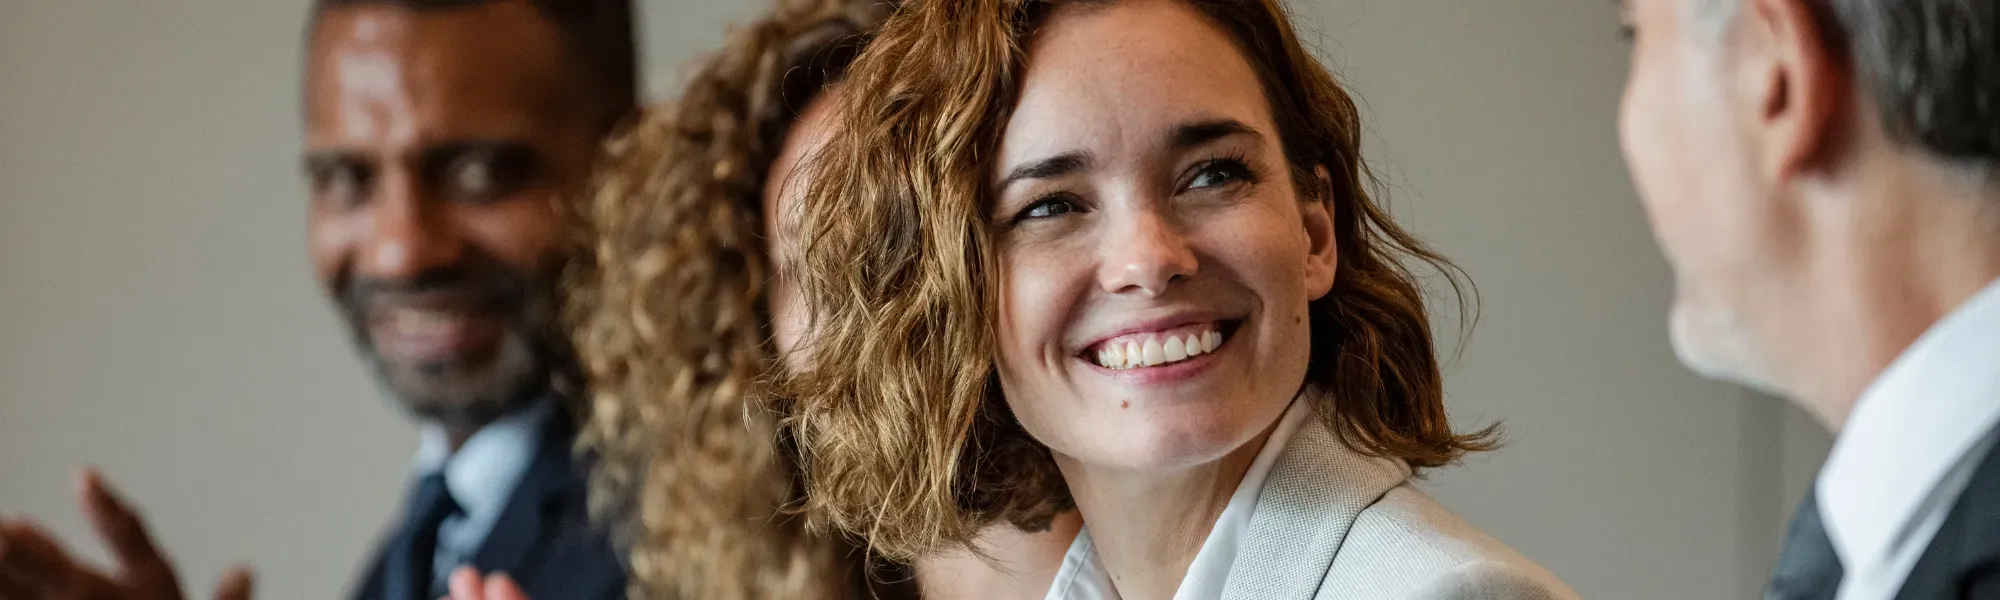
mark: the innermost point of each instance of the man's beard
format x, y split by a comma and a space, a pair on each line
531, 355
1716, 343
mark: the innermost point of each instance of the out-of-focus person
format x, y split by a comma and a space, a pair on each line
685, 304
441, 136
1824, 178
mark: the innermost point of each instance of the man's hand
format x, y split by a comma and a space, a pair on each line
33, 566
467, 585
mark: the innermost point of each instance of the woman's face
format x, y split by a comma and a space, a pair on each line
782, 191
1156, 257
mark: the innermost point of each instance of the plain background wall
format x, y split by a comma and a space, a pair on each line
157, 317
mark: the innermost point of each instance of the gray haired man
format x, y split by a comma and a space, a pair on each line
1822, 177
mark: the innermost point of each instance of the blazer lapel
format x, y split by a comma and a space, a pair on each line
1315, 491
396, 572
1963, 559
526, 525
369, 587
544, 538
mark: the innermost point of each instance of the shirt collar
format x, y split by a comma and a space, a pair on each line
1082, 575
1210, 568
483, 473
1911, 426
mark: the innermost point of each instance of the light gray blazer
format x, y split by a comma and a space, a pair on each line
1332, 524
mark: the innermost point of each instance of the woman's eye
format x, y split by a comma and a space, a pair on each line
1048, 207
1219, 172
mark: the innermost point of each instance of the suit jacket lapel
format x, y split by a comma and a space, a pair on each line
527, 523
543, 538
1963, 559
396, 573
1315, 491
1808, 566
369, 587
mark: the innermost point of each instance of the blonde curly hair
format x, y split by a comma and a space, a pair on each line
667, 308
904, 439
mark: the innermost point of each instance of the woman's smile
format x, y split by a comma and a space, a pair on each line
1160, 351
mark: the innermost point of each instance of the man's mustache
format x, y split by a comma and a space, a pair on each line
488, 290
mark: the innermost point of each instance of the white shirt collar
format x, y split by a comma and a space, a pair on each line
1083, 577
483, 473
1915, 425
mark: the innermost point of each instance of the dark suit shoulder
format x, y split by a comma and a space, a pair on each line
1963, 559
545, 537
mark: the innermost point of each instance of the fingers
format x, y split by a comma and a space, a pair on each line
465, 585
13, 589
123, 531
34, 565
235, 584
15, 586
31, 557
501, 587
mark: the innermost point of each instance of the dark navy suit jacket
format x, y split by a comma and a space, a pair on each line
1963, 560
544, 539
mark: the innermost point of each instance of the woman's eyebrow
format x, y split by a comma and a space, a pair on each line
1195, 134
1048, 168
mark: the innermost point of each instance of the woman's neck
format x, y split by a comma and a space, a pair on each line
1148, 525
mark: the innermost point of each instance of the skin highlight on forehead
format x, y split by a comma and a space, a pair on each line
495, 68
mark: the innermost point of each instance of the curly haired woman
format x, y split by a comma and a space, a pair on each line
673, 312
1122, 253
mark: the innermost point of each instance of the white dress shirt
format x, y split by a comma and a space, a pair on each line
1910, 446
481, 476
1082, 575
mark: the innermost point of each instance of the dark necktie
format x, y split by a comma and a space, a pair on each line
1808, 567
430, 505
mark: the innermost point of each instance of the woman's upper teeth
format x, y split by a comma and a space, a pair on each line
1152, 350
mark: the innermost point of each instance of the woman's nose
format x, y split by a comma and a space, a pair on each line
1145, 256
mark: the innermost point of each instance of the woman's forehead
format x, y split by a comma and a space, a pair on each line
1123, 77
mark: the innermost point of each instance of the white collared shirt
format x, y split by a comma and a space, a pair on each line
481, 476
1910, 447
1083, 577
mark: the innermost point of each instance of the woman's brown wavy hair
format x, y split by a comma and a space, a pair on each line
904, 437
667, 309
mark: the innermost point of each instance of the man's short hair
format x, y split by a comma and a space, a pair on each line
599, 36
1934, 67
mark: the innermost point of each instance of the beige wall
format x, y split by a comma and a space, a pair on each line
157, 318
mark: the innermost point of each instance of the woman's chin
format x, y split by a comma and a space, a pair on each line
1162, 446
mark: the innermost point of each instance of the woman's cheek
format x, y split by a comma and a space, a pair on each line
1032, 304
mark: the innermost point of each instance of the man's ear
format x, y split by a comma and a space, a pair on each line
1322, 245
1795, 83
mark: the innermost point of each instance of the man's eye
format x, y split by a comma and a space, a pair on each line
342, 185
488, 174
473, 178
1219, 172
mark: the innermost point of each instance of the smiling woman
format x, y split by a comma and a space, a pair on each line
1122, 254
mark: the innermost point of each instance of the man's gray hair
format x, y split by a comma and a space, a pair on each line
1932, 65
